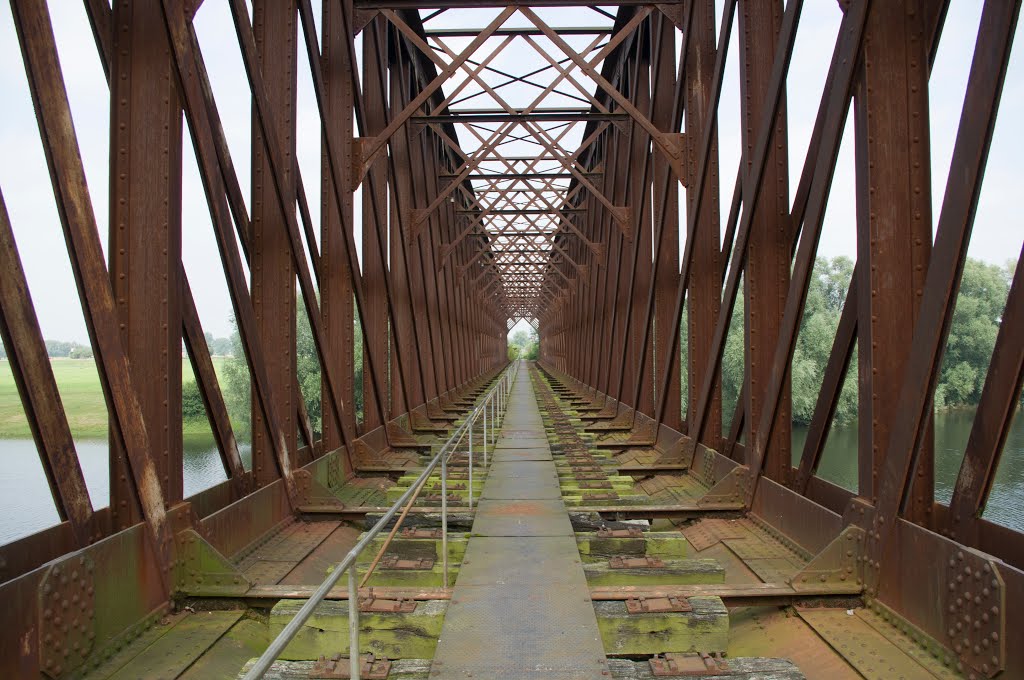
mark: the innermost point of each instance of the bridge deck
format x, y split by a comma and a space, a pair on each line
521, 607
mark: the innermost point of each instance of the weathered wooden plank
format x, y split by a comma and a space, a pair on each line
704, 629
392, 635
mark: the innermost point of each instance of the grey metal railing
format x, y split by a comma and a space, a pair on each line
496, 400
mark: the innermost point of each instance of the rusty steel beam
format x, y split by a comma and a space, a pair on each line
336, 288
956, 220
145, 241
894, 223
33, 375
81, 234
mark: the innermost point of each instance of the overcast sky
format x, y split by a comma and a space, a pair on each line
26, 188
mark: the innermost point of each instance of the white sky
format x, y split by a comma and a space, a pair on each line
26, 188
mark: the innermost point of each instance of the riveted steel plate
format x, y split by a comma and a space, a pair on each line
863, 647
773, 570
541, 630
178, 649
291, 544
755, 549
268, 572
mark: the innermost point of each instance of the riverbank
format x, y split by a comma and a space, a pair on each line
82, 397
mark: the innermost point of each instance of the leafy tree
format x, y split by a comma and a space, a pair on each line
308, 373
525, 344
58, 348
972, 333
80, 352
238, 388
192, 407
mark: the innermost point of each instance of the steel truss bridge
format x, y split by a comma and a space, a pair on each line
482, 164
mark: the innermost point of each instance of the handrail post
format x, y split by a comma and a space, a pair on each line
353, 624
471, 463
444, 516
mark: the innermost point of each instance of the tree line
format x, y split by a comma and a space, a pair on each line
972, 337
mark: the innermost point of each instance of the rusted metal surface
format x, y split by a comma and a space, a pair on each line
337, 666
488, 195
674, 665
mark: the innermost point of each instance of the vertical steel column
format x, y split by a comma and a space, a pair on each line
894, 221
374, 212
667, 279
769, 250
336, 294
145, 241
705, 291
272, 272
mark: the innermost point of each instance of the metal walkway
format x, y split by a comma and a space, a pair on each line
521, 607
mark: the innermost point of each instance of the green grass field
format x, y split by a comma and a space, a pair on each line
80, 392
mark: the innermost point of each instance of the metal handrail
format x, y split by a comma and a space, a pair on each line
498, 393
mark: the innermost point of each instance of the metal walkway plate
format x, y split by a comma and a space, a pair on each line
507, 455
519, 444
522, 518
521, 607
520, 561
521, 481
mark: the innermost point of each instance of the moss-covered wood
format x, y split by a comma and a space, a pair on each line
392, 635
704, 629
675, 572
664, 544
410, 578
416, 548
596, 497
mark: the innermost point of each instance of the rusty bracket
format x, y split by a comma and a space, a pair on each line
657, 605
673, 665
619, 562
199, 569
378, 605
452, 498
629, 532
436, 486
313, 494
396, 562
680, 451
603, 484
362, 455
413, 532
360, 162
67, 615
361, 18
732, 488
370, 667
838, 564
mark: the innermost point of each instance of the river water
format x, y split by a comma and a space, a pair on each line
26, 505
